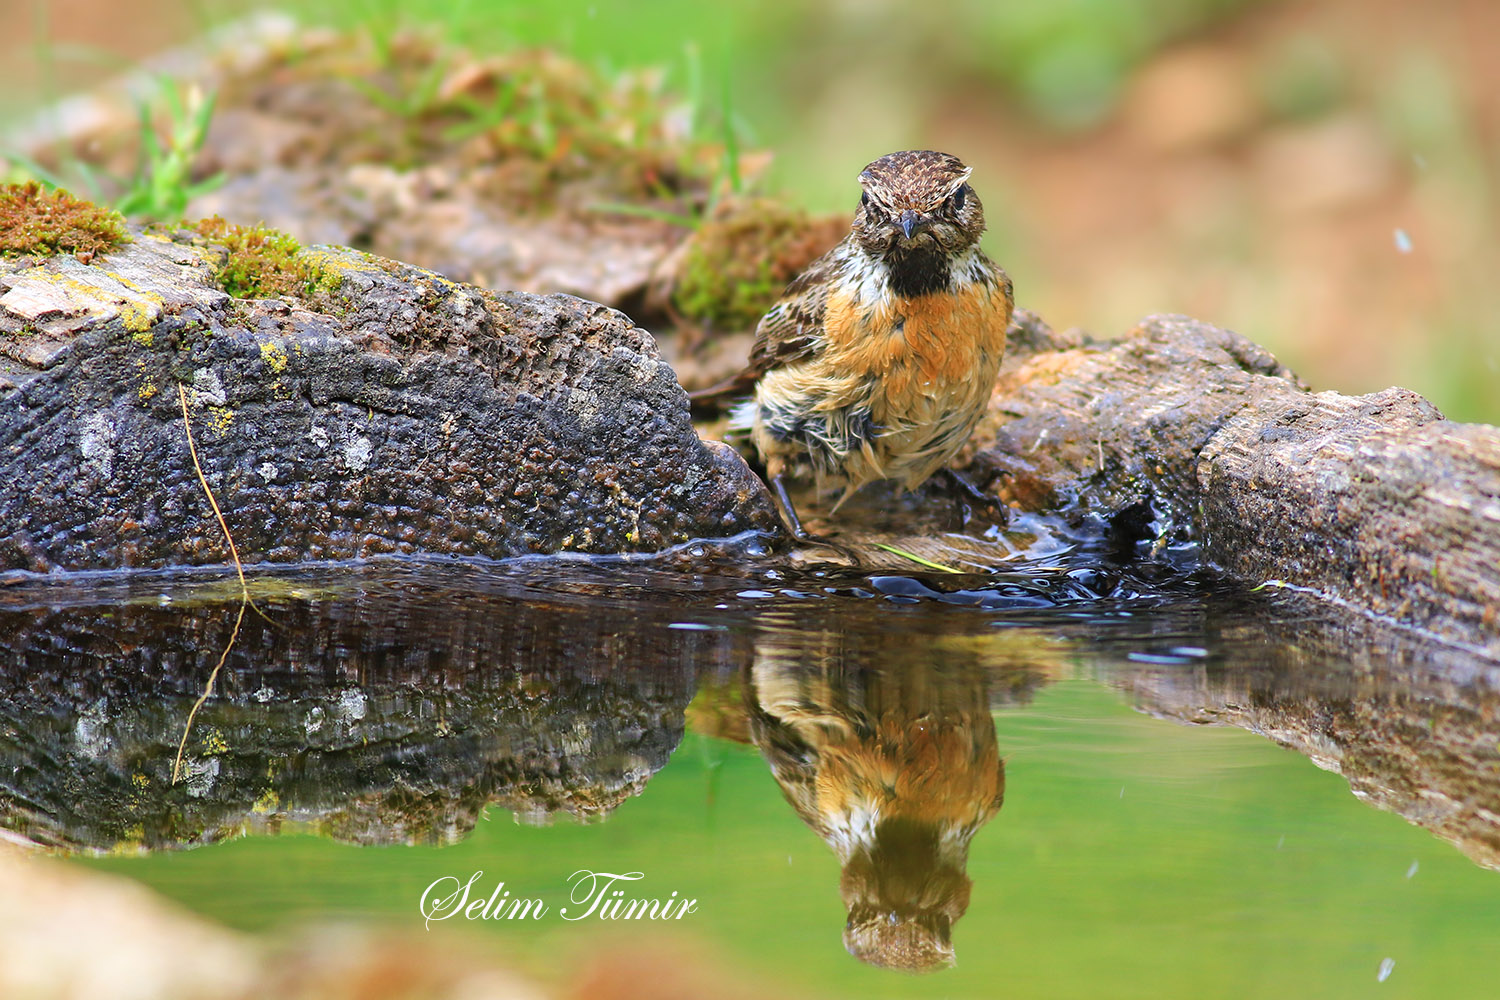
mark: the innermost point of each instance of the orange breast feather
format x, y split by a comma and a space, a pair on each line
917, 346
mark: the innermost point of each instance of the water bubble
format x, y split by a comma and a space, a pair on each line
1403, 241
1386, 965
754, 594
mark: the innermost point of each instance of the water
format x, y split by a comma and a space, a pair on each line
1091, 781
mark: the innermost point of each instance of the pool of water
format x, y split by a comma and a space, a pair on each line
1042, 784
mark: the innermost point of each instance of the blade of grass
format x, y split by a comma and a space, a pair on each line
915, 558
35, 169
645, 212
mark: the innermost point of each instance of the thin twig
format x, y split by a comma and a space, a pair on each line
187, 728
234, 553
193, 450
207, 690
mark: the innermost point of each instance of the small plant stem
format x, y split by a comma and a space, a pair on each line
203, 481
208, 688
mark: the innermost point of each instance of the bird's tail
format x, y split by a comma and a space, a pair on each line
722, 395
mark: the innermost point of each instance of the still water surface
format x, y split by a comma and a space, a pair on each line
1045, 786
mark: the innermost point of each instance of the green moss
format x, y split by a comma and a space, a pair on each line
35, 220
738, 264
261, 262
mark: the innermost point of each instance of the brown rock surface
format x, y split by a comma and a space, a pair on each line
1185, 431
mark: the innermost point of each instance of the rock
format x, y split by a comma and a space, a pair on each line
380, 717
1411, 726
1190, 98
386, 410
66, 931
1185, 432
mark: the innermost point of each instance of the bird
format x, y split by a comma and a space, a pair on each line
879, 358
885, 746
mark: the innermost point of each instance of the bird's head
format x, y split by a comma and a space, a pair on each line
917, 200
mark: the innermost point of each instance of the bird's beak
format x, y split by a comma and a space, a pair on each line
908, 222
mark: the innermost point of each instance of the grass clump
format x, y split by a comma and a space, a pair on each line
260, 263
543, 130
163, 182
36, 220
723, 285
172, 132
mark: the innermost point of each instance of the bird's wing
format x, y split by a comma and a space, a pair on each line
790, 330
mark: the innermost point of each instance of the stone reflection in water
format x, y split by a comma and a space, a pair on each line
381, 717
1413, 727
884, 744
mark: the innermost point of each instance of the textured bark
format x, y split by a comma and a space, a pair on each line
1185, 431
388, 411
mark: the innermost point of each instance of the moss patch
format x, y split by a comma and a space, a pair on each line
34, 220
261, 263
737, 264
524, 126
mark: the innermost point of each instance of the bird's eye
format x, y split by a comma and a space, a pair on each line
958, 197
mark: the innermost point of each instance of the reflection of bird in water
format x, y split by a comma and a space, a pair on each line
896, 769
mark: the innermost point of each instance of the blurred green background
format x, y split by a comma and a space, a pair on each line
1316, 174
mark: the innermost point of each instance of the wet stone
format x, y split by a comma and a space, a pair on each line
390, 411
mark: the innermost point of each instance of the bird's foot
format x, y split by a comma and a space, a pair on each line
798, 532
963, 489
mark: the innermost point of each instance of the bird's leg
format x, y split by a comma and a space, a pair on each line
794, 523
966, 489
788, 510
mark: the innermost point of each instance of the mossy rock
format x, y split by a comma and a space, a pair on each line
735, 266
37, 220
